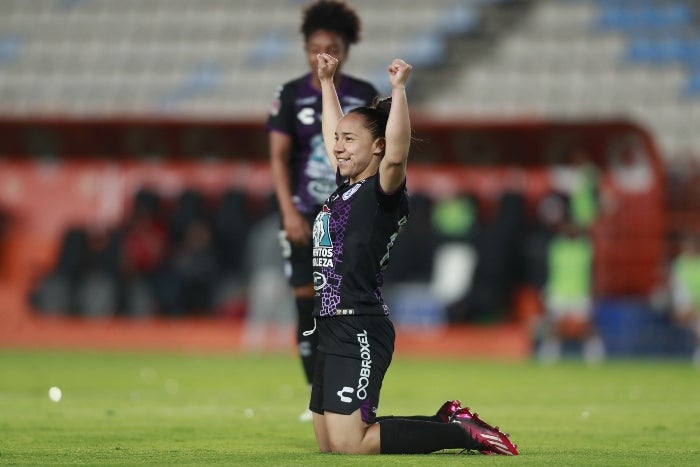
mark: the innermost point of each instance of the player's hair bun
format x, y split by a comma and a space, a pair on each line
383, 105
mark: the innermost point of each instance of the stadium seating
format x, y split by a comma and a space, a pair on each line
211, 57
494, 58
585, 58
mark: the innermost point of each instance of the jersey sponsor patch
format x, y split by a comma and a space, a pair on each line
348, 194
323, 245
321, 232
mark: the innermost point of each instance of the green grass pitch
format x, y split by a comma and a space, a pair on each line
154, 408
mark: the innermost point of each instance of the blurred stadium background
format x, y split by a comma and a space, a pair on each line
113, 108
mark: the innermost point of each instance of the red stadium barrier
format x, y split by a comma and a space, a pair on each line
58, 172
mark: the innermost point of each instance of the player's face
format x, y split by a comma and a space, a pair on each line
356, 150
324, 41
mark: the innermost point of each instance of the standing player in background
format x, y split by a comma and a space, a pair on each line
302, 175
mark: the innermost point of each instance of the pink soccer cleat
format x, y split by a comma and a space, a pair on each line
490, 439
447, 410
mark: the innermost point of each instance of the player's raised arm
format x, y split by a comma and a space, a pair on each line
332, 112
392, 170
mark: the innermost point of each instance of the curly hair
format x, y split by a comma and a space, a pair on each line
333, 15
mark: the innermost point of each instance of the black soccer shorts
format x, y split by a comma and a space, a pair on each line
353, 356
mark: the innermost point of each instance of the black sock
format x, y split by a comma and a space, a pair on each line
403, 436
306, 345
421, 418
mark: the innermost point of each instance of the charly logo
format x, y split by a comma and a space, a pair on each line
306, 116
343, 397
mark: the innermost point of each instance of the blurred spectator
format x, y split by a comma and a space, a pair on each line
567, 288
231, 228
150, 285
98, 287
577, 177
685, 289
187, 263
190, 207
85, 280
195, 267
550, 212
455, 218
55, 292
145, 236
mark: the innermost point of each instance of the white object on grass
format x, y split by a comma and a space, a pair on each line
55, 393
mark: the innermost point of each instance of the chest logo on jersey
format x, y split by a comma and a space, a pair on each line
323, 245
351, 191
307, 116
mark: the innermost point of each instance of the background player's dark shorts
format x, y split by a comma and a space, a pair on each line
298, 267
353, 356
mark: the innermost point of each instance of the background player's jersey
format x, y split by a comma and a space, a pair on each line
296, 111
352, 238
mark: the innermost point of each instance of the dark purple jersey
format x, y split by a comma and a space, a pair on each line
296, 111
352, 237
